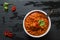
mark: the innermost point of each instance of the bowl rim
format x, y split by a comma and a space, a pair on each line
46, 30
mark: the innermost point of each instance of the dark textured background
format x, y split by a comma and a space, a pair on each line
54, 33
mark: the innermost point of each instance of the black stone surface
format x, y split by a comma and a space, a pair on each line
16, 23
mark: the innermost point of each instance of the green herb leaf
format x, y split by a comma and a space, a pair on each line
5, 7
6, 4
41, 22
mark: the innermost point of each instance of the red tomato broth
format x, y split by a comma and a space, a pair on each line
33, 18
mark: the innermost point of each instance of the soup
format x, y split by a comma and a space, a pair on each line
36, 23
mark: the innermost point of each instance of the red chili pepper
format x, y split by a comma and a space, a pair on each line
13, 9
36, 25
8, 34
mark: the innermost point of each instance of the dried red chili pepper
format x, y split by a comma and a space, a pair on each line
13, 9
8, 34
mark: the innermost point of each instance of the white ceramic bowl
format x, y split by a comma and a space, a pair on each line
46, 30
